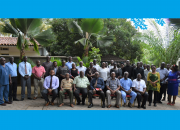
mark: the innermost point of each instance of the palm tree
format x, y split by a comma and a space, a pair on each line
28, 31
90, 28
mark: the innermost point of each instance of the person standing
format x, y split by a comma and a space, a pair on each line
74, 72
173, 84
117, 71
106, 65
66, 86
96, 65
47, 66
5, 80
90, 72
81, 67
111, 65
126, 89
138, 70
113, 87
146, 71
51, 83
12, 87
62, 70
153, 85
69, 63
139, 86
141, 65
55, 67
97, 86
25, 71
163, 75
80, 86
145, 66
128, 69
38, 72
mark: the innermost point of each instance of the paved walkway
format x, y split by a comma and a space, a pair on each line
39, 104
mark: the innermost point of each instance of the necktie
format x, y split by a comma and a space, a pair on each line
51, 83
95, 85
25, 69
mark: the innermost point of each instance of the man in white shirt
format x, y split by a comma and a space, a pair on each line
139, 86
111, 65
96, 65
81, 67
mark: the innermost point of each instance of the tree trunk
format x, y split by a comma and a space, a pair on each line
22, 53
86, 50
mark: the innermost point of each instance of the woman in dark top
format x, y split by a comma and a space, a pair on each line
74, 72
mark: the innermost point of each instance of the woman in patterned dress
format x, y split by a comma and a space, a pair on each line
153, 84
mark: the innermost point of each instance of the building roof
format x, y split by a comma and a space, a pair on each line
11, 41
112, 57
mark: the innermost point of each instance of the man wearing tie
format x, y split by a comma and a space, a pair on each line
25, 71
51, 84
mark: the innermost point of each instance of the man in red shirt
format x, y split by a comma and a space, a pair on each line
38, 72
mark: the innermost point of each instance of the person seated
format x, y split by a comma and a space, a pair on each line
66, 86
97, 86
51, 84
80, 86
139, 86
126, 89
113, 87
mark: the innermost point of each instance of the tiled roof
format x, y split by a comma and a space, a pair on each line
112, 57
11, 41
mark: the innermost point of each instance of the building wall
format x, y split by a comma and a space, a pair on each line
13, 51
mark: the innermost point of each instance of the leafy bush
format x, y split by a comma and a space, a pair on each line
86, 61
94, 54
58, 60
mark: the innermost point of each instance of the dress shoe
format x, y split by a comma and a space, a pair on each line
52, 103
149, 104
15, 99
108, 106
29, 98
139, 106
160, 102
8, 102
124, 105
22, 99
142, 106
4, 104
117, 106
61, 104
103, 106
34, 98
71, 105
155, 105
83, 103
47, 104
78, 103
129, 105
91, 105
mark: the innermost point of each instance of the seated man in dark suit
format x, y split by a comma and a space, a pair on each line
97, 86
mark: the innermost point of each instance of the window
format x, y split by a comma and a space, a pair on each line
4, 48
5, 54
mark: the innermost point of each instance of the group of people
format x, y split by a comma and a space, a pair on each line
107, 81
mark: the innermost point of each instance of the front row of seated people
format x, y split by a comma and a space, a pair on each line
115, 87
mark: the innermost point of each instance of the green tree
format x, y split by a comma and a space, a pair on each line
28, 31
87, 29
64, 42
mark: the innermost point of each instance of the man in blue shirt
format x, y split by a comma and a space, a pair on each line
126, 89
97, 86
13, 87
25, 71
69, 63
5, 80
